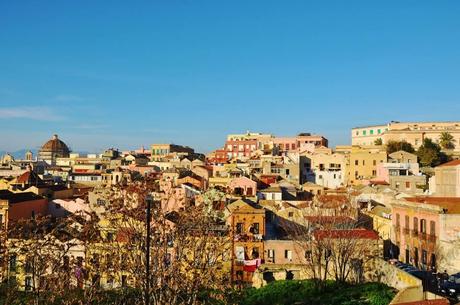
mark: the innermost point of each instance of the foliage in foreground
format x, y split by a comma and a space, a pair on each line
277, 293
307, 293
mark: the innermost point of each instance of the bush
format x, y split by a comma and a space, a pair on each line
308, 293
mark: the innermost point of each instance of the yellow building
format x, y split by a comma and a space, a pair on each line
411, 132
363, 163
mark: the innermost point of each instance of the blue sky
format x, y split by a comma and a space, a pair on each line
129, 73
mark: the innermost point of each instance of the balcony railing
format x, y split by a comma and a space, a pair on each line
248, 238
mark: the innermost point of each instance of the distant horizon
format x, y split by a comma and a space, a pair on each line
331, 144
104, 74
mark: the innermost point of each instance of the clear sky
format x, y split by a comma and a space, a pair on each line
126, 73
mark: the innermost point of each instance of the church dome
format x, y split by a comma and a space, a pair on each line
55, 145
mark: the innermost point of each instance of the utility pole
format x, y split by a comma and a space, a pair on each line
148, 201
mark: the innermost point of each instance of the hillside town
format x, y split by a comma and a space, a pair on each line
260, 209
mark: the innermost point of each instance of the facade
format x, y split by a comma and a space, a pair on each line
52, 150
240, 149
402, 173
326, 169
15, 206
247, 223
160, 151
363, 162
411, 132
447, 179
418, 224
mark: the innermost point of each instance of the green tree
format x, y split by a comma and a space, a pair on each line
378, 141
446, 140
393, 146
430, 154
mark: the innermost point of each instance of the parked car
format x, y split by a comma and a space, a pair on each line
451, 287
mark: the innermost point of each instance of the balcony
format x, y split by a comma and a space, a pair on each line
414, 233
248, 238
406, 231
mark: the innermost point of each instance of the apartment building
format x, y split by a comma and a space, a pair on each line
247, 223
327, 169
411, 132
160, 151
447, 179
363, 162
426, 233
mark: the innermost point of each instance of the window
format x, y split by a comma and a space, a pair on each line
364, 132
424, 257
372, 131
13, 263
379, 131
407, 185
398, 220
108, 260
423, 226
415, 224
432, 228
255, 252
239, 228
1, 220
374, 172
291, 214
124, 280
66, 262
416, 257
28, 267
271, 254
255, 228
406, 222
308, 254
109, 236
374, 162
356, 162
28, 283
364, 162
288, 254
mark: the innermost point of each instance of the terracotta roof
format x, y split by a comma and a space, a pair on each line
29, 177
355, 233
427, 302
451, 204
55, 145
329, 219
451, 163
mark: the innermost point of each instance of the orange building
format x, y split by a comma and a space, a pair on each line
247, 222
15, 206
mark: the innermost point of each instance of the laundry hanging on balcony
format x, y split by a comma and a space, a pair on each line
252, 265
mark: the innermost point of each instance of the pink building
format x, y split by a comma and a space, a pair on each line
243, 186
302, 142
416, 228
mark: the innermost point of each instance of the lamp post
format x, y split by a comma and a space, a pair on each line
148, 201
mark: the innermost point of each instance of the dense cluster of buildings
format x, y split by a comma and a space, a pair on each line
268, 185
